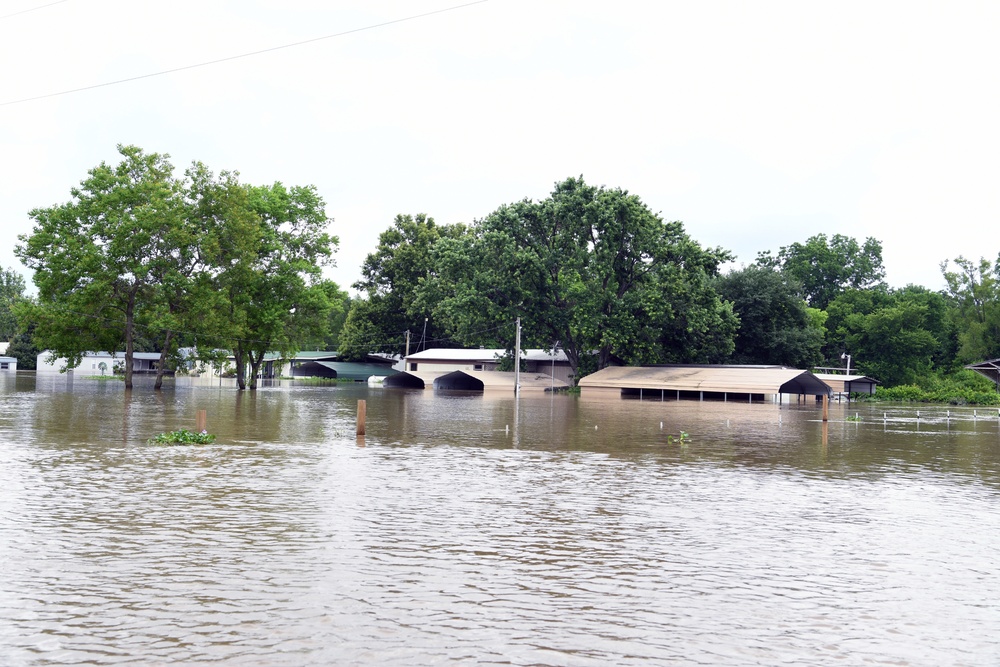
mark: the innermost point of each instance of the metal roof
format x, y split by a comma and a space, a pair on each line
486, 355
841, 377
989, 369
493, 380
474, 381
722, 379
348, 370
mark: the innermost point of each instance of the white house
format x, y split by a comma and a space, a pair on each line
8, 364
433, 363
99, 363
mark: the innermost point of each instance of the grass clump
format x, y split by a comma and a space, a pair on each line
183, 437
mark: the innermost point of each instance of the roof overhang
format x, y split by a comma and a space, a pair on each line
709, 378
989, 369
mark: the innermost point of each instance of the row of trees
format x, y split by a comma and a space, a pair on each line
594, 272
143, 258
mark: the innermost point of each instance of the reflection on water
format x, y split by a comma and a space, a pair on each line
560, 530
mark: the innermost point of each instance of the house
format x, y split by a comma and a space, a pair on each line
8, 364
429, 364
702, 382
476, 370
101, 363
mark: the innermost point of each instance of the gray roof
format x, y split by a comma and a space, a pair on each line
722, 379
481, 354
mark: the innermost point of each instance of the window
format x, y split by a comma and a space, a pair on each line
477, 367
413, 367
4, 366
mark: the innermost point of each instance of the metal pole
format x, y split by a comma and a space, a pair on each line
517, 359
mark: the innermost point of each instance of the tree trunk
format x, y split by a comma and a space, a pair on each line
241, 368
129, 342
255, 363
163, 359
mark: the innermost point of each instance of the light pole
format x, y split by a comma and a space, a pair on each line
844, 355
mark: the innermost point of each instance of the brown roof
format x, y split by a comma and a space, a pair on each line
731, 379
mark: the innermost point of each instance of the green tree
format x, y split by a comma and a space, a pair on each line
11, 292
896, 336
827, 266
391, 279
275, 297
97, 259
775, 324
591, 268
974, 292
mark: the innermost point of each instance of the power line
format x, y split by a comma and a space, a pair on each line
33, 9
242, 55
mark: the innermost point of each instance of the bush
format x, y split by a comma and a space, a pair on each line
183, 437
960, 388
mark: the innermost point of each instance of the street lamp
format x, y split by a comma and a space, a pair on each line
844, 355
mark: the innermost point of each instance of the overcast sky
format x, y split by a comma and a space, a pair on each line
757, 124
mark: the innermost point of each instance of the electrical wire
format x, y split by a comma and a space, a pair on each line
33, 9
241, 55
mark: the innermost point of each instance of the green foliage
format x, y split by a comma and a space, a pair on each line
974, 290
776, 327
591, 268
827, 266
680, 439
11, 292
100, 258
960, 388
139, 256
895, 336
183, 437
391, 279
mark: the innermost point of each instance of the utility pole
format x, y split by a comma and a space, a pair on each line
407, 345
517, 360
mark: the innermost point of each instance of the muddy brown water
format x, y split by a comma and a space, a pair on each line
470, 529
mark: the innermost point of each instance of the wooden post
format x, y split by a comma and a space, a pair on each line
362, 412
201, 421
826, 408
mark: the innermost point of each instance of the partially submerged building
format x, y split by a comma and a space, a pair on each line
843, 384
703, 382
476, 370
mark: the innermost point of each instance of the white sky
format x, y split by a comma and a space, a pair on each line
757, 124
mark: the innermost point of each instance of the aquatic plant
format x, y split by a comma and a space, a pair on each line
183, 437
680, 439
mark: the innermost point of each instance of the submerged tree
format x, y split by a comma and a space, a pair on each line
97, 259
139, 257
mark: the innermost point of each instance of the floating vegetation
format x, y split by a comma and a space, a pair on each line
183, 437
681, 439
853, 418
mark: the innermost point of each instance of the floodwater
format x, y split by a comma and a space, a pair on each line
470, 529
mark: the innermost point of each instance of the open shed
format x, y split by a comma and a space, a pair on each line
848, 384
702, 382
989, 369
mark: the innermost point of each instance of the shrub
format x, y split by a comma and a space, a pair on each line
183, 437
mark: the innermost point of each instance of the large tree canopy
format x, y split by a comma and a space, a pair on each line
139, 257
98, 258
391, 277
775, 325
589, 269
828, 266
974, 291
